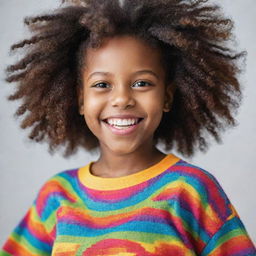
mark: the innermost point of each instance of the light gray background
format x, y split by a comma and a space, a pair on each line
25, 166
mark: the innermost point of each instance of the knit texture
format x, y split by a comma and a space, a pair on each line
172, 208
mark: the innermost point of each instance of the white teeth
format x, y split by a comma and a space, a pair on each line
122, 122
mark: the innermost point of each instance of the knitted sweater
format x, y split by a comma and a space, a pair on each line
172, 208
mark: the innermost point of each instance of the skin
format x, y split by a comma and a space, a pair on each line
124, 91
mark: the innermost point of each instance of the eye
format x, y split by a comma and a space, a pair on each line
101, 85
141, 84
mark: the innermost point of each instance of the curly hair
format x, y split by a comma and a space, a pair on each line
193, 37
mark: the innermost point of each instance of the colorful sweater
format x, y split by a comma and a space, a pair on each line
172, 208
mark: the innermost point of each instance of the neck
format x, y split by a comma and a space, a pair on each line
111, 164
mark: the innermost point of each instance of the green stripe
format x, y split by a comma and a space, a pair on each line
228, 236
25, 243
3, 253
133, 236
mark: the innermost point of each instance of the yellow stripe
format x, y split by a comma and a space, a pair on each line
154, 248
65, 248
96, 182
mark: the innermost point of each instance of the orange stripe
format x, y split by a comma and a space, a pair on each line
35, 227
105, 221
15, 248
96, 182
233, 245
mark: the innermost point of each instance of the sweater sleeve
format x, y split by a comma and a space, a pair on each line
215, 228
231, 239
35, 233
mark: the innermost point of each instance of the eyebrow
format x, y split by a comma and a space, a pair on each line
135, 73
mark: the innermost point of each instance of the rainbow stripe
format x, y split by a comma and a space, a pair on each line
172, 208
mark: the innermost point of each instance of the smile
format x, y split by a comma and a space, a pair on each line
121, 126
122, 122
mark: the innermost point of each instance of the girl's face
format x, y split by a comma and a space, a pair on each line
123, 94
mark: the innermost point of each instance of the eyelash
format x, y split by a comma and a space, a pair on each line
141, 81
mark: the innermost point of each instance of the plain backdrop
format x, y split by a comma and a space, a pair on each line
25, 166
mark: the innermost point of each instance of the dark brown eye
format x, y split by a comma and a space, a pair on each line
141, 84
101, 85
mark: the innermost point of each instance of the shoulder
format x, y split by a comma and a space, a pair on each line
189, 170
61, 180
207, 212
198, 177
199, 199
58, 187
202, 189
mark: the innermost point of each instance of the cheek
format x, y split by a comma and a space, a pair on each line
92, 123
157, 116
155, 113
90, 100
92, 104
154, 102
92, 109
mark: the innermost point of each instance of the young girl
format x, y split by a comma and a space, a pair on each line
123, 78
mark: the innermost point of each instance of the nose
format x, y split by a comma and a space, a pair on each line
122, 97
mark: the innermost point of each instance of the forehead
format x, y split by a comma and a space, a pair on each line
125, 49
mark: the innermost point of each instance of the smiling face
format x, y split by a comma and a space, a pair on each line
123, 94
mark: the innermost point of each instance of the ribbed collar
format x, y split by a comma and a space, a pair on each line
102, 183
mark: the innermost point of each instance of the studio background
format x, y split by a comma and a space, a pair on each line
25, 165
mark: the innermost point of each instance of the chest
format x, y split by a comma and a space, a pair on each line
147, 227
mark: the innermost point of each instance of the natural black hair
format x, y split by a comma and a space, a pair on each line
193, 36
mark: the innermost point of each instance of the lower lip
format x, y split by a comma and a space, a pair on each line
125, 131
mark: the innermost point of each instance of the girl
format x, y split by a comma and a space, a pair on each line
123, 78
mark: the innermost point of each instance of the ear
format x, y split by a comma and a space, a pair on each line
80, 98
169, 91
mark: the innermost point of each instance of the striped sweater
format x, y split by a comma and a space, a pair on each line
172, 208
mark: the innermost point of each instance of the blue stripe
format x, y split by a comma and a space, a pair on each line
134, 226
228, 226
24, 232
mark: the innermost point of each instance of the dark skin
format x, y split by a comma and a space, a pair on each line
121, 88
